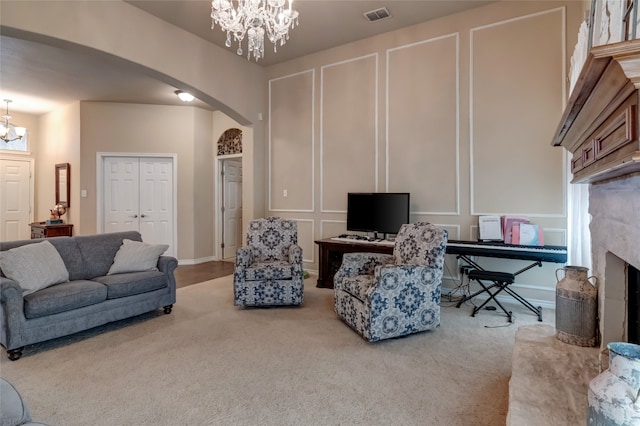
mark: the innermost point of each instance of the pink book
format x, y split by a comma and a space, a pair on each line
509, 221
515, 234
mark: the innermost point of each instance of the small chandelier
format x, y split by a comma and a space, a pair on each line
4, 128
254, 18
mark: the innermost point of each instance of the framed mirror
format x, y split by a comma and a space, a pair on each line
63, 184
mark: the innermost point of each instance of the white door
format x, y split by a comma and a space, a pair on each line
138, 196
156, 200
15, 199
232, 207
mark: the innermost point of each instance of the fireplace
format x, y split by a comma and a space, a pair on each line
615, 238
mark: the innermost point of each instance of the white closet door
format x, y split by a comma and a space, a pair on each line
138, 196
121, 194
15, 199
156, 200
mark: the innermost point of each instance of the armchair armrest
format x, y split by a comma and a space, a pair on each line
354, 264
295, 256
394, 279
244, 258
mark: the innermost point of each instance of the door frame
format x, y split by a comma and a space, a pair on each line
217, 202
100, 156
26, 157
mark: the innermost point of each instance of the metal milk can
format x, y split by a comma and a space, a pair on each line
576, 307
614, 394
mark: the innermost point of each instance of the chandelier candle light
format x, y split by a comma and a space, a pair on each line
4, 128
254, 18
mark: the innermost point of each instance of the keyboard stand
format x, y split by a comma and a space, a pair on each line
501, 281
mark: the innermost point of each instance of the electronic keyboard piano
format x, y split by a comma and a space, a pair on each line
556, 254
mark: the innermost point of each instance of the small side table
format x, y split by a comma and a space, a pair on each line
42, 230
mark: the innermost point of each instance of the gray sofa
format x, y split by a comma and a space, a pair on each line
89, 299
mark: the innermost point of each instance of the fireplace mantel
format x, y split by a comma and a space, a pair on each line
599, 126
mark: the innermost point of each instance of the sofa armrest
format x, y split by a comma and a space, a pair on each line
167, 264
354, 264
10, 292
12, 317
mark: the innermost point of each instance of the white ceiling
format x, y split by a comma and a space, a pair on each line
40, 77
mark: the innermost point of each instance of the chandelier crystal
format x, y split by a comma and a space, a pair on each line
254, 18
5, 129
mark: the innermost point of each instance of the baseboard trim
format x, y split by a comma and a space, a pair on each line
196, 261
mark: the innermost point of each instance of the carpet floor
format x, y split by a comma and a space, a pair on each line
210, 363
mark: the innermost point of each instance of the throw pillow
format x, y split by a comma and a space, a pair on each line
34, 266
136, 256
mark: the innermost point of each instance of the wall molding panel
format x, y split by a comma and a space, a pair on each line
348, 137
424, 77
291, 143
503, 56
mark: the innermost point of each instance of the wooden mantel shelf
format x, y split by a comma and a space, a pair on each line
600, 123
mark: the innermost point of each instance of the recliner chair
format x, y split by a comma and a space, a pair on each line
381, 296
268, 270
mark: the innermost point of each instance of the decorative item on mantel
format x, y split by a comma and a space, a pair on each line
614, 394
576, 307
55, 214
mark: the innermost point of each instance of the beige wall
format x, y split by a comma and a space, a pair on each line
58, 142
458, 111
155, 129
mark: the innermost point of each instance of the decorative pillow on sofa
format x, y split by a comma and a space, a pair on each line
136, 256
34, 266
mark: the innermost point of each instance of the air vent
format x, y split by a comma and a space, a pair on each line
376, 15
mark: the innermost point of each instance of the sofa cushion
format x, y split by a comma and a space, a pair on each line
98, 251
122, 285
63, 297
136, 256
34, 266
71, 256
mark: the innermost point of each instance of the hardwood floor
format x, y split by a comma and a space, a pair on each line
193, 274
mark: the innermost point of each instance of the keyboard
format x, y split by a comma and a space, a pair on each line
362, 240
557, 254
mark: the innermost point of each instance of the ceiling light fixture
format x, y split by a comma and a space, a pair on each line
5, 129
254, 18
184, 96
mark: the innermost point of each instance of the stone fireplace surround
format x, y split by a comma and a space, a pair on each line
615, 242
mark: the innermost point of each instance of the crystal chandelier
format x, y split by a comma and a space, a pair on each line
5, 129
254, 18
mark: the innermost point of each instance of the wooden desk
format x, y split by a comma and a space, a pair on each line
331, 252
42, 230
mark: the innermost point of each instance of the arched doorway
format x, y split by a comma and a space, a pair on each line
229, 185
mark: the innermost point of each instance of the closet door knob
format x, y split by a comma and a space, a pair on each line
143, 215
134, 216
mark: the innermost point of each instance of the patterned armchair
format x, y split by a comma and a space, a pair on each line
382, 296
268, 270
